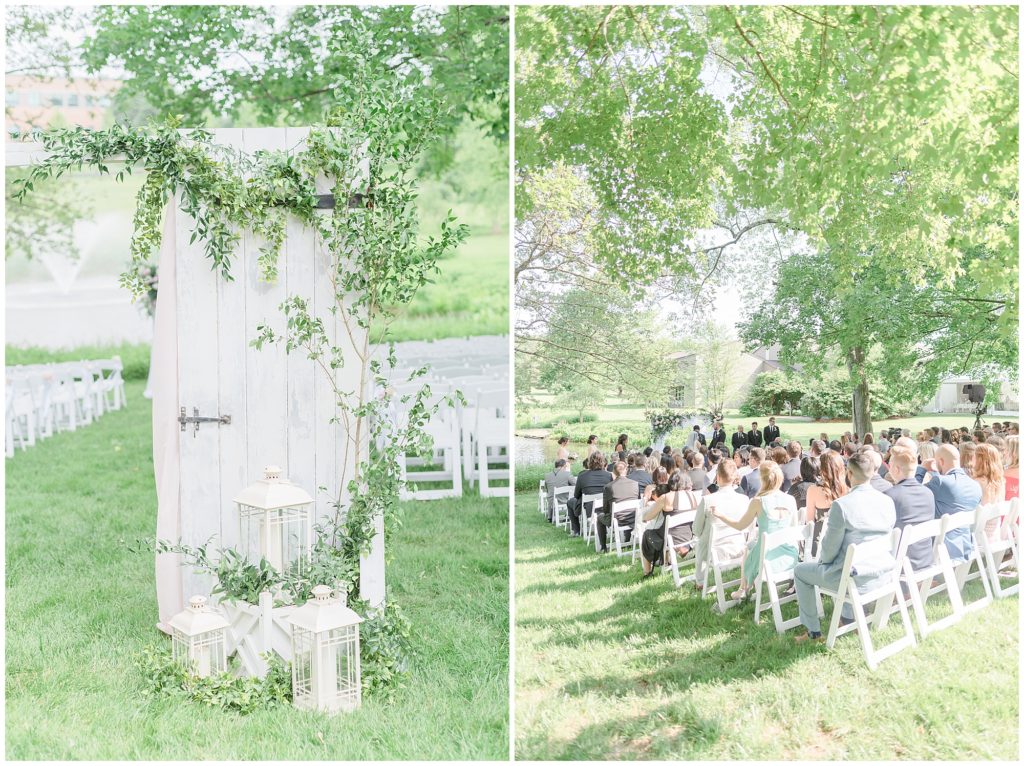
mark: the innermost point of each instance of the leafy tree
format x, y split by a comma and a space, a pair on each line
838, 123
211, 61
772, 392
579, 394
716, 376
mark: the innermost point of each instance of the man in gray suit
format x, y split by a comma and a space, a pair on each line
560, 477
791, 468
915, 504
862, 515
620, 488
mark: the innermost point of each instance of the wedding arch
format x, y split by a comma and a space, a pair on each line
281, 251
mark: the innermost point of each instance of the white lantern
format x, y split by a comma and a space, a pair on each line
325, 654
275, 520
199, 637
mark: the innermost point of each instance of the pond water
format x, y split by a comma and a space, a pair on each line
531, 451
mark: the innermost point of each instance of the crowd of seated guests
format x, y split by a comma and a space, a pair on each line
852, 489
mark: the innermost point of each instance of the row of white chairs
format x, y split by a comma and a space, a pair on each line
472, 440
42, 399
995, 551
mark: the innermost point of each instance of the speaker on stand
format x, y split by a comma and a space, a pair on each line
976, 395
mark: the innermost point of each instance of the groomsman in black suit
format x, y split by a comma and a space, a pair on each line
754, 438
739, 439
771, 431
717, 436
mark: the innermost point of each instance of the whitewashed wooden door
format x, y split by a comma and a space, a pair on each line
280, 405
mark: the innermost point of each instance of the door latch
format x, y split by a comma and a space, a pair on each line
196, 419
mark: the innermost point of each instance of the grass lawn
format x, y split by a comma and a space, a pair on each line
80, 607
469, 296
609, 667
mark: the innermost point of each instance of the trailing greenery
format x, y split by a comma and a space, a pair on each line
80, 609
164, 675
134, 356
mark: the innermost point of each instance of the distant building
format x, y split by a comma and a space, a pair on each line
34, 102
748, 367
950, 397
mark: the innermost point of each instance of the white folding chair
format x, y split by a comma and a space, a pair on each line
962, 569
559, 509
994, 550
588, 524
670, 559
111, 383
919, 581
717, 567
618, 530
769, 579
881, 596
542, 498
445, 453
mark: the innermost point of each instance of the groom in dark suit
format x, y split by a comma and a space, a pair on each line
771, 431
717, 436
754, 436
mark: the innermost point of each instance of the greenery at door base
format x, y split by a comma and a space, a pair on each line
377, 261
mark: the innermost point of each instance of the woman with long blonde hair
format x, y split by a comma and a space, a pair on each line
1012, 468
988, 472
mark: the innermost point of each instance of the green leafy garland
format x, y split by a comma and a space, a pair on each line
377, 262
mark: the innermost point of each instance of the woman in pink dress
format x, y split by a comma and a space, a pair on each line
1011, 472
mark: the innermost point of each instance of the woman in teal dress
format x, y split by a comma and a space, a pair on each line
774, 510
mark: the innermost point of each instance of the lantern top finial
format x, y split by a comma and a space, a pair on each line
321, 593
197, 603
197, 618
322, 613
273, 491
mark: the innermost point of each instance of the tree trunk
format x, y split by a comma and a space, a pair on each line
861, 394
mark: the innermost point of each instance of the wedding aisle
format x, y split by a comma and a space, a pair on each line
609, 667
85, 609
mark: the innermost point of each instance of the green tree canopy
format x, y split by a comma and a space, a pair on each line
287, 65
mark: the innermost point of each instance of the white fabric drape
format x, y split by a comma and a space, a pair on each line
164, 383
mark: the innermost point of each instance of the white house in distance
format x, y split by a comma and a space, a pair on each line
951, 398
948, 399
749, 365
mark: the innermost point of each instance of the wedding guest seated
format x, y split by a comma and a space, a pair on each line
560, 477
698, 476
620, 488
883, 442
913, 502
1012, 472
750, 484
876, 461
836, 446
818, 447
774, 510
589, 482
714, 458
862, 515
791, 465
741, 459
830, 487
810, 472
678, 497
648, 451
658, 485
954, 491
967, 451
988, 472
727, 503
638, 471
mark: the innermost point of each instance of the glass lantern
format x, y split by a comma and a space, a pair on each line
325, 654
199, 638
275, 520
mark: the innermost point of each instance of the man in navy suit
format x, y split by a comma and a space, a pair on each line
750, 484
915, 504
954, 491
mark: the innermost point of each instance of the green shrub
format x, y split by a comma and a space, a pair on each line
134, 356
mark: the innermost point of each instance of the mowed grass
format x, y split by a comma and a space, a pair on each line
80, 606
612, 667
469, 296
